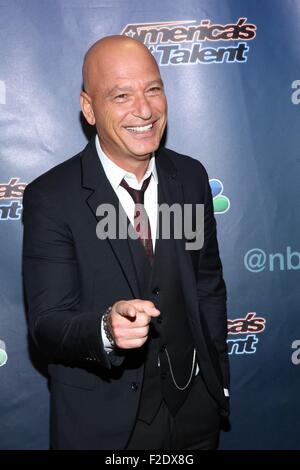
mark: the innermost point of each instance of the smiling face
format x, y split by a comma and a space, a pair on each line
125, 98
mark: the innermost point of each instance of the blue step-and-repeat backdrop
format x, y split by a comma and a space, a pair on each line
232, 75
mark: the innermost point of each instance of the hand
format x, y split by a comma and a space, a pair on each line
129, 321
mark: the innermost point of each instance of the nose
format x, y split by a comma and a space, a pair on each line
142, 108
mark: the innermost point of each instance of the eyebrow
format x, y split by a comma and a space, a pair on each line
124, 89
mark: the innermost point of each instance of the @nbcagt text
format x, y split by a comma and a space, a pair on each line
150, 459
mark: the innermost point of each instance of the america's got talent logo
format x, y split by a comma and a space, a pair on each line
11, 194
246, 328
192, 42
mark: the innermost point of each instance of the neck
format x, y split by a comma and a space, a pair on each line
140, 172
137, 167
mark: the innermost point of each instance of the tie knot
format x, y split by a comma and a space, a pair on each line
136, 194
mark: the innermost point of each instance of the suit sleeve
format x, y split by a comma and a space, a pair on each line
51, 279
211, 288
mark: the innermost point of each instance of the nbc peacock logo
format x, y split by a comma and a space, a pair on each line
220, 201
3, 354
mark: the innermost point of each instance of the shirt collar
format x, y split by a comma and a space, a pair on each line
115, 174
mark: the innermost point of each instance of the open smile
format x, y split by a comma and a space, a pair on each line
140, 129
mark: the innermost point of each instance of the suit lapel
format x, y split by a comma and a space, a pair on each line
172, 192
101, 192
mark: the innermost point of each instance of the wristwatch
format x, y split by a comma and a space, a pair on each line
107, 327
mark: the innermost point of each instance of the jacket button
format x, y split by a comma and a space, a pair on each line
156, 290
159, 319
134, 386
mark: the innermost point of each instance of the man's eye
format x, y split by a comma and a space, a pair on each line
154, 89
121, 97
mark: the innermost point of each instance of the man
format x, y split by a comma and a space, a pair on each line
134, 328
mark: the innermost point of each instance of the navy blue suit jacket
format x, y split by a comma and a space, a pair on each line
71, 277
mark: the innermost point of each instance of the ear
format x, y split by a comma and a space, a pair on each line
86, 108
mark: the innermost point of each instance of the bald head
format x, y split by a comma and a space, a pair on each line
109, 50
124, 97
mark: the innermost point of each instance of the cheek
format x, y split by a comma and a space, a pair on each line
105, 121
114, 118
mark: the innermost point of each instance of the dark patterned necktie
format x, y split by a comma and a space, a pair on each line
141, 220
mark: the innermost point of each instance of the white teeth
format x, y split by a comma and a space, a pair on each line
140, 129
